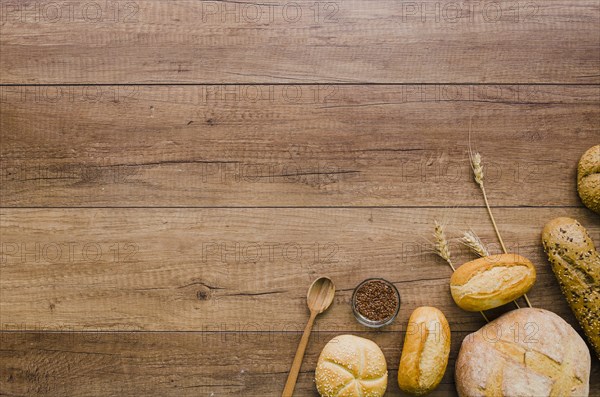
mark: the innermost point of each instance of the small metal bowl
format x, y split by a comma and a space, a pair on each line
375, 323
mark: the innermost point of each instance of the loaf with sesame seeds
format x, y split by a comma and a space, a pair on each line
576, 264
588, 178
351, 366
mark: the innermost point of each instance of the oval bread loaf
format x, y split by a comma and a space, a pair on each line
350, 366
576, 265
425, 351
525, 352
491, 281
588, 178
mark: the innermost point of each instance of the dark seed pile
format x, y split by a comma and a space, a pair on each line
376, 300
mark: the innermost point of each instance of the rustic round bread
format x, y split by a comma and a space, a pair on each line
588, 178
350, 366
526, 352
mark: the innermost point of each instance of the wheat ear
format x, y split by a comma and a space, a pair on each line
478, 174
441, 244
474, 243
442, 249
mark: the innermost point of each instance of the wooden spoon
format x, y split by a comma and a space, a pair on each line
319, 298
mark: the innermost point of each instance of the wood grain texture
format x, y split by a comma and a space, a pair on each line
182, 364
383, 41
113, 104
292, 145
242, 269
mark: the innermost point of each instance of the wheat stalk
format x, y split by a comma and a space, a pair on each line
474, 243
478, 174
442, 249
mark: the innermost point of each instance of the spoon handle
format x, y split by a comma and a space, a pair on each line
290, 384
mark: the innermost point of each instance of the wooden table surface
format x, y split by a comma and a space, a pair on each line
175, 173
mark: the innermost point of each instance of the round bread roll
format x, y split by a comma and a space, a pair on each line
425, 351
588, 178
350, 366
526, 352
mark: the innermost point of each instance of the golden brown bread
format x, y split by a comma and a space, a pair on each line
576, 265
350, 366
526, 352
491, 281
588, 178
425, 351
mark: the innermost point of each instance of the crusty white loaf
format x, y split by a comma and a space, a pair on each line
425, 351
350, 366
526, 352
491, 281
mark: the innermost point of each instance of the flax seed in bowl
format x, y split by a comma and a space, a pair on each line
375, 302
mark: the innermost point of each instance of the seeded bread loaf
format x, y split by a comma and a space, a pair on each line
491, 281
588, 178
525, 353
350, 366
576, 265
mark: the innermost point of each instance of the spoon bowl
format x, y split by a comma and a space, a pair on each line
320, 295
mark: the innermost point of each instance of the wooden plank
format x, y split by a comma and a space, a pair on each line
241, 269
383, 41
181, 364
165, 364
292, 145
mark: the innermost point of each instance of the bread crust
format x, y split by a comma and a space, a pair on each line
576, 265
491, 281
588, 178
425, 351
525, 352
351, 366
